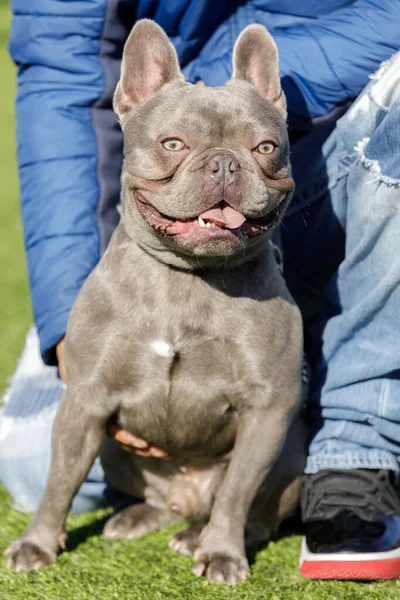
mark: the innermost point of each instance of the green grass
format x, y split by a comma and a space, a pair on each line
93, 568
96, 569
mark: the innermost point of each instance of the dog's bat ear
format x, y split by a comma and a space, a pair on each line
149, 61
255, 59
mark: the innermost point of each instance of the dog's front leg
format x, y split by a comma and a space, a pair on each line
78, 432
221, 553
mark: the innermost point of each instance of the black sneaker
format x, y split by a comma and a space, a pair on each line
352, 525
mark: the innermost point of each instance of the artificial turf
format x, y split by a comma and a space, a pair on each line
93, 568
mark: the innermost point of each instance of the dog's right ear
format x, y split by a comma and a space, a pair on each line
149, 61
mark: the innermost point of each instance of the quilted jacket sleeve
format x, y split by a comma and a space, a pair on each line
324, 61
328, 61
55, 45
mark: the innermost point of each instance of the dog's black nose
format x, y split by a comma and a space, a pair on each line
223, 166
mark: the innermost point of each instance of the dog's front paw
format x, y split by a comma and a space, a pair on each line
186, 542
221, 567
25, 555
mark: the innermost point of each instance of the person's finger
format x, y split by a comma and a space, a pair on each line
60, 358
125, 437
133, 450
145, 453
158, 452
151, 452
131, 443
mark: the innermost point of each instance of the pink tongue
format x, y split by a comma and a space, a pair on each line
227, 216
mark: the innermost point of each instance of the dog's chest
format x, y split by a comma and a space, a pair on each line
185, 355
185, 393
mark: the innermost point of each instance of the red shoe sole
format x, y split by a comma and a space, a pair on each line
367, 567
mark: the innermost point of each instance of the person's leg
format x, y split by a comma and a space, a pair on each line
355, 410
26, 422
348, 497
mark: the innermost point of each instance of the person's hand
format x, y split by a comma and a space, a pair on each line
126, 440
60, 357
129, 442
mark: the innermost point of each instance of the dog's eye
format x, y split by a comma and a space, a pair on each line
266, 147
173, 144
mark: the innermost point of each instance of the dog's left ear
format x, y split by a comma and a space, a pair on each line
149, 61
255, 59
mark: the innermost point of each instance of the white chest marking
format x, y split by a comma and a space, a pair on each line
162, 348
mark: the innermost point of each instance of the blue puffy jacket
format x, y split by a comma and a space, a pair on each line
69, 143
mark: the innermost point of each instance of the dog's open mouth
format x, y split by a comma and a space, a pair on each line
218, 221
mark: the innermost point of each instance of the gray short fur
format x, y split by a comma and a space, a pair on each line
193, 345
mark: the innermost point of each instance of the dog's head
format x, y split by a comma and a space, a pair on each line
206, 173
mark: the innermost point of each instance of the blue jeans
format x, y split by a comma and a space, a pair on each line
350, 205
341, 240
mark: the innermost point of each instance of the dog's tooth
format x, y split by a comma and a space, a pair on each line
208, 224
201, 222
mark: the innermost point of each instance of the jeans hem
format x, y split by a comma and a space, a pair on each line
352, 460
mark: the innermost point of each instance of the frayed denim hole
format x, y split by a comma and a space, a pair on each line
385, 88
